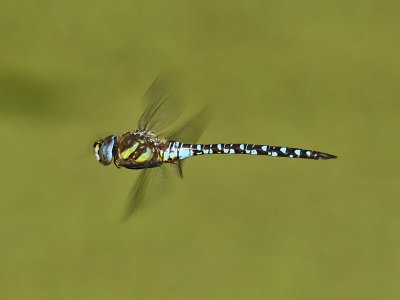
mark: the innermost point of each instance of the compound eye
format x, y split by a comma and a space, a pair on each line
106, 150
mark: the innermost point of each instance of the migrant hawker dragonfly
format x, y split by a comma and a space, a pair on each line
146, 150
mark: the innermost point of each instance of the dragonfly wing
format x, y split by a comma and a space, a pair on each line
162, 105
140, 190
151, 184
191, 131
162, 109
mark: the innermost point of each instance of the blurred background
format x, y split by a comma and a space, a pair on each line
318, 75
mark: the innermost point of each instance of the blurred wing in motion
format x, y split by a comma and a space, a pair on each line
163, 109
162, 106
191, 131
146, 185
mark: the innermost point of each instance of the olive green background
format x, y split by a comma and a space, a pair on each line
320, 75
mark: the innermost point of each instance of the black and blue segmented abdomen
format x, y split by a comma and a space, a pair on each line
177, 149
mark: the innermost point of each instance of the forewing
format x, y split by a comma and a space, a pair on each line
162, 105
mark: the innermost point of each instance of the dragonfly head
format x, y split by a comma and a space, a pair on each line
104, 150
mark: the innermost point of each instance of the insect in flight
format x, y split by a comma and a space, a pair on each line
145, 149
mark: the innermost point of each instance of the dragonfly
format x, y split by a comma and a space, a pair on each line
147, 150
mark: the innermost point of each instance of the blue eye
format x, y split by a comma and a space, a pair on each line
104, 150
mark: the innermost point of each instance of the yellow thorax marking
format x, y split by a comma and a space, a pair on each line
145, 156
127, 152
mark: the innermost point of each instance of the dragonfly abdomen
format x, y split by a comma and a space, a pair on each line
178, 151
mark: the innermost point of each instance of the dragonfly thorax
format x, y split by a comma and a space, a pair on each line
104, 149
139, 149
